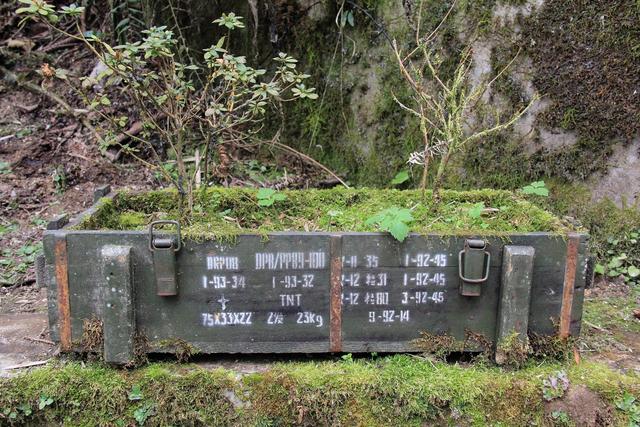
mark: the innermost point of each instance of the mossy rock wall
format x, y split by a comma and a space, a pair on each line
580, 57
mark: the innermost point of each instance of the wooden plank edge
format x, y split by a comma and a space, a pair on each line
568, 288
335, 303
62, 281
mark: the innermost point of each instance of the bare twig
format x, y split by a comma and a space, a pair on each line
303, 156
40, 340
26, 365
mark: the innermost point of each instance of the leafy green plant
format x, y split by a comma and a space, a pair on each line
135, 393
44, 401
629, 405
7, 228
395, 220
555, 385
346, 17
561, 418
59, 179
183, 103
10, 413
5, 168
537, 188
127, 18
257, 171
476, 210
142, 413
16, 263
623, 255
400, 178
475, 213
268, 196
347, 357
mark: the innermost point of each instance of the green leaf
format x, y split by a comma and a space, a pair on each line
135, 393
230, 21
350, 18
395, 220
44, 401
476, 211
265, 193
72, 10
266, 202
402, 176
403, 215
399, 230
143, 413
26, 10
268, 196
61, 73
537, 188
25, 408
599, 269
5, 168
633, 271
614, 263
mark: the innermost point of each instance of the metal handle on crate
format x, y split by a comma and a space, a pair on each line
472, 261
162, 243
164, 259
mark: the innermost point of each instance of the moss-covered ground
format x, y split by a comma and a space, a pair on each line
223, 212
374, 391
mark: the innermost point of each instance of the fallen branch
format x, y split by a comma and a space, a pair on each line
40, 340
596, 327
26, 365
303, 156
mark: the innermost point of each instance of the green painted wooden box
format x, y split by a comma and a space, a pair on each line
306, 292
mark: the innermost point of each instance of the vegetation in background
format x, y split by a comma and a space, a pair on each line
397, 390
444, 106
186, 106
621, 263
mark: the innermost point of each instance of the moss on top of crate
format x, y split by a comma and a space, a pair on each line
227, 212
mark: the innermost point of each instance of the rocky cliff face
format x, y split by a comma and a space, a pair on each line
581, 58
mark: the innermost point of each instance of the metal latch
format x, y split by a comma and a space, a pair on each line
164, 259
473, 267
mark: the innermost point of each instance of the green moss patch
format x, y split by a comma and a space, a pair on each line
396, 390
224, 213
98, 395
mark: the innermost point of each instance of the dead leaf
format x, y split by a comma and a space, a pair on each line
23, 43
47, 71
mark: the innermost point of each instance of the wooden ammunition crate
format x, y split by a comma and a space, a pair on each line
307, 292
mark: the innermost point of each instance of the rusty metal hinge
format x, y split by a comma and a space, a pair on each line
473, 267
164, 259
